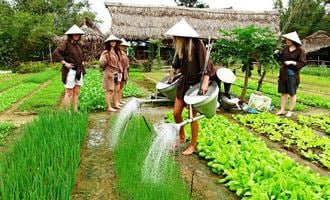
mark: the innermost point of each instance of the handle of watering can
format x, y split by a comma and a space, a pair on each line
208, 52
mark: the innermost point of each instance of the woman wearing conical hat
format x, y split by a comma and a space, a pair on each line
125, 65
292, 59
71, 55
190, 55
110, 63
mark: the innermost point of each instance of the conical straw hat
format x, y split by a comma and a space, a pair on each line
112, 38
182, 29
226, 75
74, 30
124, 42
293, 36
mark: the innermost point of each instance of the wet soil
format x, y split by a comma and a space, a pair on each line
96, 178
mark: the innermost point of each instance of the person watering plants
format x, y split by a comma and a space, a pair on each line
190, 55
71, 55
110, 63
292, 59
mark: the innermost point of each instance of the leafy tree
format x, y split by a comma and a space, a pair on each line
244, 46
191, 3
30, 26
303, 16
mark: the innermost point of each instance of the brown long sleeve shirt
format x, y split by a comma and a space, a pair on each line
71, 52
192, 70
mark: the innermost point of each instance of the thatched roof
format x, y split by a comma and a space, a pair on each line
91, 41
318, 40
143, 22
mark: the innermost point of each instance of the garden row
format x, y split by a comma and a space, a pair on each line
290, 134
43, 164
251, 169
314, 100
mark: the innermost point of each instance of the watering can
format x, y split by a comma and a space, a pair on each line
205, 104
168, 89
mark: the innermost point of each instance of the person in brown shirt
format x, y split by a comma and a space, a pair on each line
125, 66
292, 59
190, 55
109, 61
70, 54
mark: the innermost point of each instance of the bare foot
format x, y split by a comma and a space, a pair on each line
289, 114
111, 110
122, 102
280, 112
178, 142
190, 150
117, 107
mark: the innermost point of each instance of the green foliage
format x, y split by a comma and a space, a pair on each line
30, 67
303, 16
316, 71
44, 163
291, 135
245, 45
14, 94
191, 3
92, 94
30, 26
131, 52
320, 122
249, 168
129, 156
5, 129
46, 99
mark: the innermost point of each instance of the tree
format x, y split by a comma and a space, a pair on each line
30, 26
303, 16
191, 3
245, 46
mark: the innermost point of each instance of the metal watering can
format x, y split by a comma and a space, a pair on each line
205, 104
168, 89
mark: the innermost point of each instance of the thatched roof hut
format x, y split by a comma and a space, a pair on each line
140, 22
318, 40
91, 41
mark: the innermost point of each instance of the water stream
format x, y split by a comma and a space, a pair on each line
123, 117
157, 158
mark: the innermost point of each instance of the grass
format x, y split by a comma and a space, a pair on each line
43, 164
13, 94
41, 76
129, 155
46, 98
5, 130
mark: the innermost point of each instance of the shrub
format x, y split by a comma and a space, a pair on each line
30, 67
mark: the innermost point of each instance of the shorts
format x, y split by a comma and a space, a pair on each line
71, 80
288, 87
118, 78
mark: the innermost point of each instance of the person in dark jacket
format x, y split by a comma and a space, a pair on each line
71, 55
190, 55
292, 59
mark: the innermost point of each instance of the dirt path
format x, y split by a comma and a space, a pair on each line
95, 178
